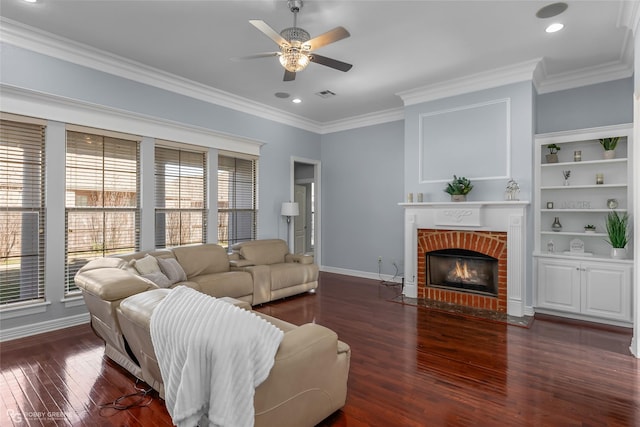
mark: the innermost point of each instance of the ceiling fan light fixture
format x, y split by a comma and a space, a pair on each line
293, 58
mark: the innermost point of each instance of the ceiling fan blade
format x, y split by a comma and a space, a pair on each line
268, 31
256, 56
330, 36
333, 63
289, 76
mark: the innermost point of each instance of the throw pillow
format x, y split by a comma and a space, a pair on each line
172, 269
159, 279
147, 265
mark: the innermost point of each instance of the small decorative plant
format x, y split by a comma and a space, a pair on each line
609, 143
617, 225
553, 148
590, 228
552, 157
459, 186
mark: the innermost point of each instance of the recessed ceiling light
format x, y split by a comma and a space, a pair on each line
551, 10
554, 27
296, 100
31, 1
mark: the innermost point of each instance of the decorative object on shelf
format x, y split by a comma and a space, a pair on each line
459, 188
576, 246
549, 205
512, 190
577, 156
566, 175
589, 228
599, 178
556, 226
410, 198
617, 225
609, 145
612, 203
552, 157
550, 246
419, 197
578, 204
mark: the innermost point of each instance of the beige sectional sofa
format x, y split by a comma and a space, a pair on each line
105, 282
307, 382
276, 273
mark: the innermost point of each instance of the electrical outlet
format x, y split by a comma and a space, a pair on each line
379, 260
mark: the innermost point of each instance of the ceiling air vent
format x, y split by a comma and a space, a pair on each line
325, 94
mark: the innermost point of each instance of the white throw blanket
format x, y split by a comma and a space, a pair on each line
212, 356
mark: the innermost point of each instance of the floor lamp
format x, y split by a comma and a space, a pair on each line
289, 209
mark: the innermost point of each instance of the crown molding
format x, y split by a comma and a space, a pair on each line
485, 80
587, 76
370, 119
39, 41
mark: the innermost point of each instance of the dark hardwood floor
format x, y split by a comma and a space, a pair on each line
410, 366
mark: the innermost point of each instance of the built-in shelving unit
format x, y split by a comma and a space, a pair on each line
591, 284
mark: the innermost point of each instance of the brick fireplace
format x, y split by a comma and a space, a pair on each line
490, 243
496, 229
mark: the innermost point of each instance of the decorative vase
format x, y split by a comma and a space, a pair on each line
618, 253
609, 154
612, 203
590, 231
552, 158
458, 197
556, 226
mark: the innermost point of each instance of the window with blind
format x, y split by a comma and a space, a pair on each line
21, 212
237, 200
102, 199
181, 188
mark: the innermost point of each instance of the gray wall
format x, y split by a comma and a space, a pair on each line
362, 184
601, 104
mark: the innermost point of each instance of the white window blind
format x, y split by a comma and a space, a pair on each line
181, 188
22, 239
102, 199
237, 200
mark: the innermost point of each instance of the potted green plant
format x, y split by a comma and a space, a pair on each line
617, 229
609, 145
590, 228
459, 188
552, 157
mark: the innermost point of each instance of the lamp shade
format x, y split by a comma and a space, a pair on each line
289, 209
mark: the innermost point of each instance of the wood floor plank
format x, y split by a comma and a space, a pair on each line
410, 366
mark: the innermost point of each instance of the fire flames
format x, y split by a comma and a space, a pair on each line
462, 273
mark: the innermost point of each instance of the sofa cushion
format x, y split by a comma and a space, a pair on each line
147, 265
202, 259
264, 252
158, 278
172, 269
234, 284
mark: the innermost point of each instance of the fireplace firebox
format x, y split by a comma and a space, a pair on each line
462, 270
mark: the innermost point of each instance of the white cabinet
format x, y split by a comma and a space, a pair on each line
588, 285
589, 288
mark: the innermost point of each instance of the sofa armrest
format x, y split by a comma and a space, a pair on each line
239, 263
299, 258
111, 284
308, 340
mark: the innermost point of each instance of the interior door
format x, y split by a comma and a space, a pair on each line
300, 221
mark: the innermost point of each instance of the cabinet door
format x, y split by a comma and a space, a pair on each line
606, 291
559, 285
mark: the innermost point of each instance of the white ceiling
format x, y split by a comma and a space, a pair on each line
395, 46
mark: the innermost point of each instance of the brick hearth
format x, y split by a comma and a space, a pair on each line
491, 243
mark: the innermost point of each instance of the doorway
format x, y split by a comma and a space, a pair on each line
306, 193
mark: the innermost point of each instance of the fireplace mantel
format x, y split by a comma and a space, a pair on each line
506, 216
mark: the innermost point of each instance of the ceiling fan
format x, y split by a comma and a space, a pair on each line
296, 46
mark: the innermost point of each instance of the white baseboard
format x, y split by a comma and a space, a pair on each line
42, 327
363, 274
